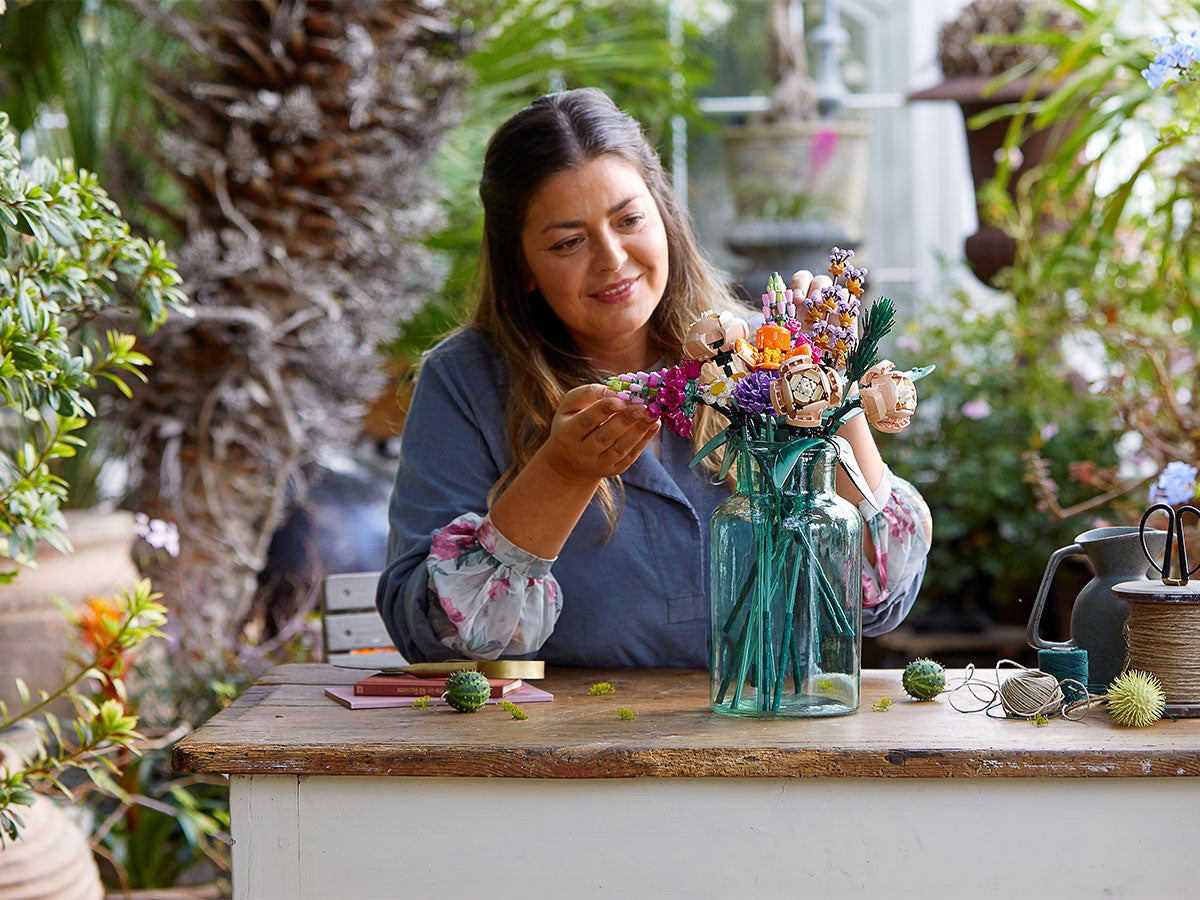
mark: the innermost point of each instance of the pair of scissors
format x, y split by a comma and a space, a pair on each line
1174, 537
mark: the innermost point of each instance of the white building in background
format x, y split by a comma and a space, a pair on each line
921, 203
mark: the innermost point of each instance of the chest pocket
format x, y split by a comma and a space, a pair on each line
673, 542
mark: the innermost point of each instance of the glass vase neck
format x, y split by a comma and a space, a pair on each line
814, 471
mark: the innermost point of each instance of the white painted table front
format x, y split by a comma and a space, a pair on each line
919, 801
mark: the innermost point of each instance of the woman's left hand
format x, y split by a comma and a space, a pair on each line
805, 284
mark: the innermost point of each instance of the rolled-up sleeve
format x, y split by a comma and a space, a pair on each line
901, 533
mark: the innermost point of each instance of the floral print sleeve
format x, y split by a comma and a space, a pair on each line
901, 533
487, 596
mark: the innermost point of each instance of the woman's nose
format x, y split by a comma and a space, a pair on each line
610, 254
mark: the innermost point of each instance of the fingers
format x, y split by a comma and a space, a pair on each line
818, 283
801, 282
636, 451
598, 414
582, 397
630, 443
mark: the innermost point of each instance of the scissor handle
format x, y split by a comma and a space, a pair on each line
1184, 572
1174, 535
1165, 569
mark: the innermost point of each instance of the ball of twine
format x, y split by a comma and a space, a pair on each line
1031, 692
1023, 694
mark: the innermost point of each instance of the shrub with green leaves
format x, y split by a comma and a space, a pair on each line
69, 263
71, 270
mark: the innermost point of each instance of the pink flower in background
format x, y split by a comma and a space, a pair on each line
498, 589
976, 409
821, 150
1049, 431
908, 343
452, 612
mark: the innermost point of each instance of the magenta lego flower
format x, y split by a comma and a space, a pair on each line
691, 368
675, 376
669, 396
753, 393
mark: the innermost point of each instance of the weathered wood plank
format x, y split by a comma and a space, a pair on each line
289, 727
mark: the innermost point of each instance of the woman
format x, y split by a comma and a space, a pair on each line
526, 518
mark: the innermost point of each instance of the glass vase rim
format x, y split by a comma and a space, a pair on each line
823, 448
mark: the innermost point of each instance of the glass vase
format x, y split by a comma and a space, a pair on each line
785, 588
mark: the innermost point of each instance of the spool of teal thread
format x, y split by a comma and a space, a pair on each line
1064, 664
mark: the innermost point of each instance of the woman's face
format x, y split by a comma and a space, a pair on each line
595, 246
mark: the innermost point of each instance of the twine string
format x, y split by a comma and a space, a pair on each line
1023, 694
1164, 639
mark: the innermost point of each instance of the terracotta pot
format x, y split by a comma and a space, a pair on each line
808, 171
989, 249
34, 636
51, 858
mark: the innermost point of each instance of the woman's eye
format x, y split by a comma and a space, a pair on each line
567, 244
631, 220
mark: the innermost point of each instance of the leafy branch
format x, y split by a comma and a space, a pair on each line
97, 729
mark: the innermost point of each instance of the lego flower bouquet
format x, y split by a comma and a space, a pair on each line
786, 551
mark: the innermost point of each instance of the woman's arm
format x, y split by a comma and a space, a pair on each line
594, 435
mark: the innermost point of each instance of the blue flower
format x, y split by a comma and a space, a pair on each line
1158, 73
1176, 484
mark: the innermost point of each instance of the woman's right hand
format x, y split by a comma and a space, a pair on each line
595, 434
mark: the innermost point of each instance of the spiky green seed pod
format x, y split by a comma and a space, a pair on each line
1136, 699
924, 679
467, 691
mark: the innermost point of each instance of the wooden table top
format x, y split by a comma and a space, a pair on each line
284, 725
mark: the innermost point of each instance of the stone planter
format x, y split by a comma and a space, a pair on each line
51, 858
989, 250
808, 171
34, 636
798, 189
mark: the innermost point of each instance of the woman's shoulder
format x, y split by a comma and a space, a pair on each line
467, 356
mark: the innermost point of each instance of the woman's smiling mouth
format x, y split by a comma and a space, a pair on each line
616, 293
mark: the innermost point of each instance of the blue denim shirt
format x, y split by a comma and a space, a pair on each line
638, 598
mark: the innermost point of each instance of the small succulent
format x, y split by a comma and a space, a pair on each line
924, 679
422, 702
512, 708
883, 704
625, 713
467, 691
602, 688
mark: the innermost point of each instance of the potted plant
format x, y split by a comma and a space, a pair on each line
68, 263
986, 69
798, 179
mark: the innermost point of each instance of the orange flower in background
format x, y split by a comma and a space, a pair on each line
99, 621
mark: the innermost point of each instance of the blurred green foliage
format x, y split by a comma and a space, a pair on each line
72, 80
1096, 328
528, 48
996, 393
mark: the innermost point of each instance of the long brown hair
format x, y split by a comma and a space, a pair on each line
556, 133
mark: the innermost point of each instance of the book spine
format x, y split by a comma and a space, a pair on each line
409, 690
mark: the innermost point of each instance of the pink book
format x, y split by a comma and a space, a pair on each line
344, 694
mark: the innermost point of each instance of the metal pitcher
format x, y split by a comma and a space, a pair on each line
1098, 617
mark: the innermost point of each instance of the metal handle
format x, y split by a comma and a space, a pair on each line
1174, 533
1035, 617
1183, 569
